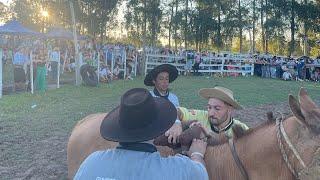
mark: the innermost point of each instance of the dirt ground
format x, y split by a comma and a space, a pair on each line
49, 157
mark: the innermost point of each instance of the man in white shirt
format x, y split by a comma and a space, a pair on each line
160, 77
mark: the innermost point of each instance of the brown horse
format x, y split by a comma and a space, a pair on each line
258, 149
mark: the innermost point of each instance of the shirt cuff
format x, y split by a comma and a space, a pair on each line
177, 121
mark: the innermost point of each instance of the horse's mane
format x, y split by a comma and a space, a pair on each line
258, 127
252, 130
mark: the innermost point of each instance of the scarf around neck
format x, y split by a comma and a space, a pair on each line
226, 128
157, 93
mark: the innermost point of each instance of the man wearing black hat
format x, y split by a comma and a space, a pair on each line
134, 124
160, 77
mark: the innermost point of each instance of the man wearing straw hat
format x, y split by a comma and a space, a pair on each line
160, 77
139, 119
218, 120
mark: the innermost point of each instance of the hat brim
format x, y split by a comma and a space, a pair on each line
111, 130
172, 70
215, 93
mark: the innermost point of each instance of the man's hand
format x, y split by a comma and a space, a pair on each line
174, 132
196, 123
205, 131
199, 146
197, 150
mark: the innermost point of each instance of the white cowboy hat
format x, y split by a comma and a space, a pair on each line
224, 94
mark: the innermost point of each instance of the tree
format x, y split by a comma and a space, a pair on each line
149, 13
5, 13
94, 16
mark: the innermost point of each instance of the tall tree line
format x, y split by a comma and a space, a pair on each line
276, 26
93, 17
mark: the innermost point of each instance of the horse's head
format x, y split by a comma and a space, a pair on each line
306, 112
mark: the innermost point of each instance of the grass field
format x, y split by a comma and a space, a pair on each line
23, 128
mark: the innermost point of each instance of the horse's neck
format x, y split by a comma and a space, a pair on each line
219, 163
258, 152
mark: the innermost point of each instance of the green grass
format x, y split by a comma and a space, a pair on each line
58, 110
249, 91
68, 104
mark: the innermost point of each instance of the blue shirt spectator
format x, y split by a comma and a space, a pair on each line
171, 97
19, 58
143, 165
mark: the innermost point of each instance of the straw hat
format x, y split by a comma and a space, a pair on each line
221, 93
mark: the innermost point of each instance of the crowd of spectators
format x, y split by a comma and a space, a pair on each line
265, 65
118, 61
288, 68
46, 55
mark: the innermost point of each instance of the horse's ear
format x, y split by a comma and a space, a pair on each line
307, 105
296, 110
310, 111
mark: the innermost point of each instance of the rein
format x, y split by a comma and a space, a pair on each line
237, 159
282, 133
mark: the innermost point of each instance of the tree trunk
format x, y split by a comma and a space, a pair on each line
306, 51
186, 27
170, 26
175, 29
153, 29
262, 26
197, 44
240, 26
266, 31
144, 22
292, 25
219, 38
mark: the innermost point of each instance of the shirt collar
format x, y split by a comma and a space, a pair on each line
226, 128
157, 93
142, 147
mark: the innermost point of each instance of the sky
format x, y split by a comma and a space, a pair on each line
6, 2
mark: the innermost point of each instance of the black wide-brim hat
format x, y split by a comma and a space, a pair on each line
152, 75
139, 117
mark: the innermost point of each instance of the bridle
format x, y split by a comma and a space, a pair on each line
282, 133
282, 139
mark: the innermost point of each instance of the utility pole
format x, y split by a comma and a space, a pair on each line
186, 26
254, 27
75, 41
